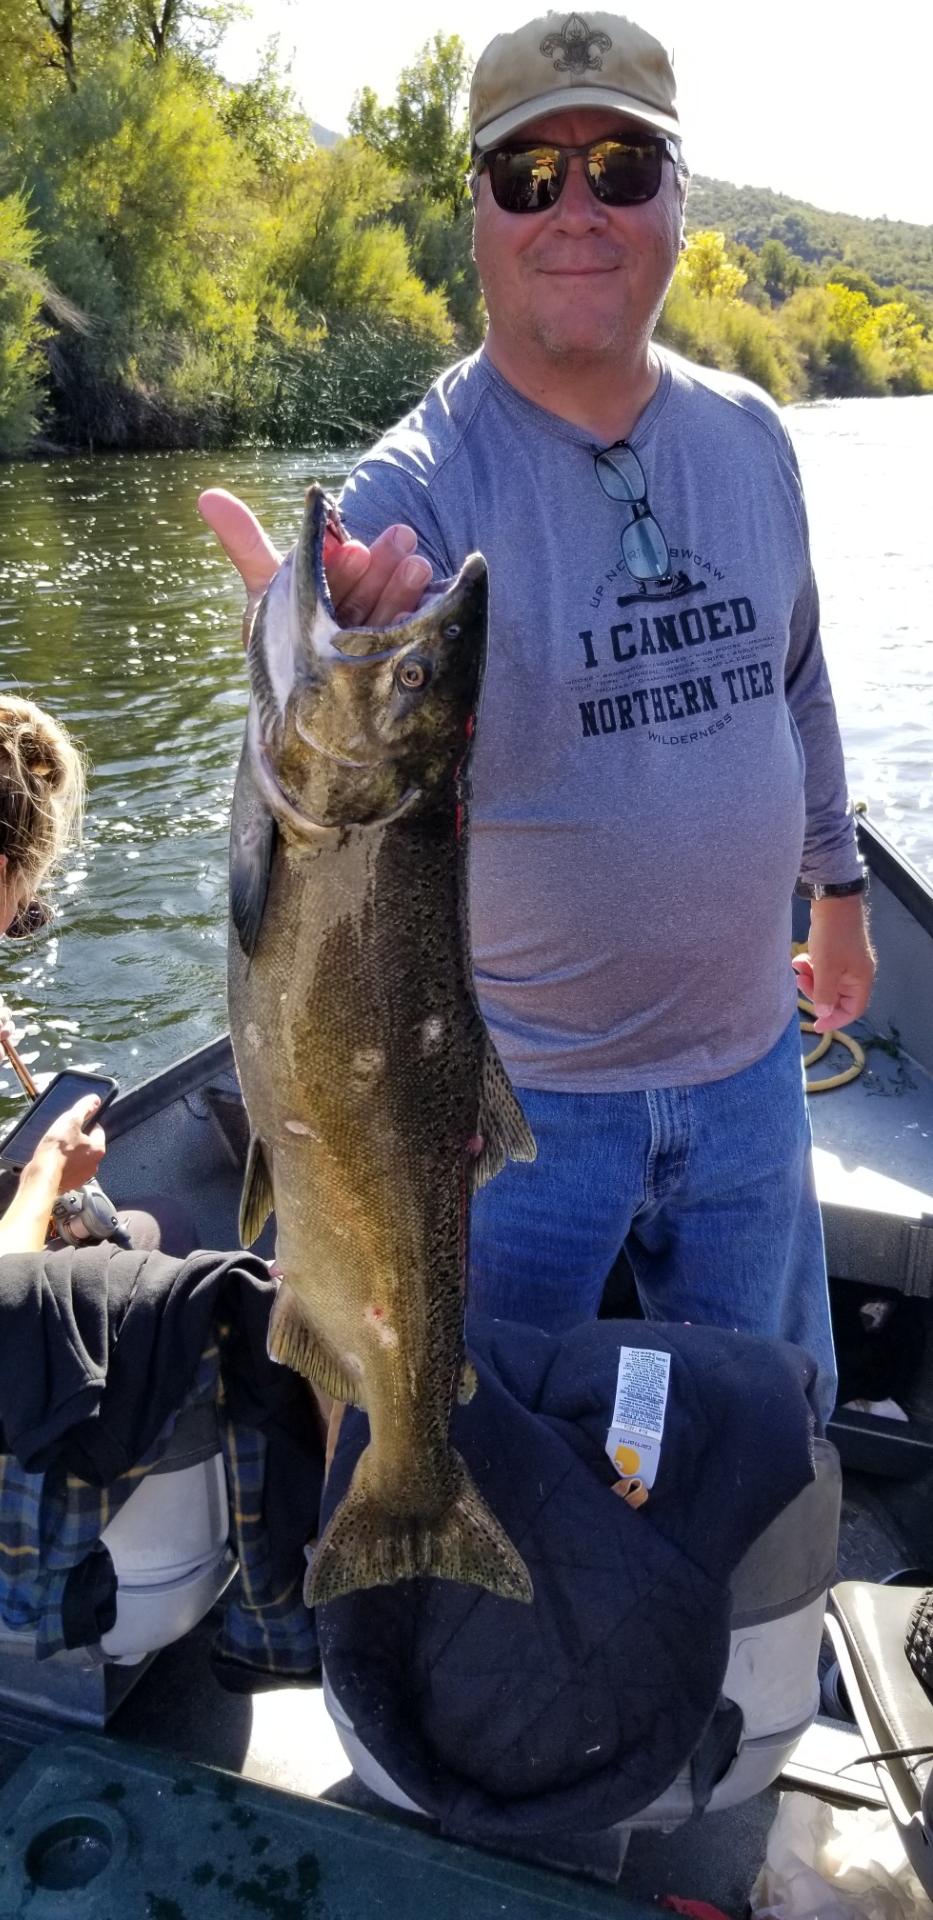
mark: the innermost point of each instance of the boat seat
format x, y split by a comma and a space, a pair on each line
868, 1625
770, 1690
172, 1561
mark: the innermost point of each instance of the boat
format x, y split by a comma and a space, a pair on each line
195, 1801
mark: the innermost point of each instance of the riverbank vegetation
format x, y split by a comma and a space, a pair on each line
183, 264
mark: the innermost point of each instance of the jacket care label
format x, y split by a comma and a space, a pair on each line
633, 1442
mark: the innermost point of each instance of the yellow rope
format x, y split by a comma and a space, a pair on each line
826, 1040
835, 1037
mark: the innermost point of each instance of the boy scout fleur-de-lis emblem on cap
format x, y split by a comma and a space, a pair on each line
574, 46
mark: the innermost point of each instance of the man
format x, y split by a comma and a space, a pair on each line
657, 760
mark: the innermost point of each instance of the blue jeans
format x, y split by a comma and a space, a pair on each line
709, 1189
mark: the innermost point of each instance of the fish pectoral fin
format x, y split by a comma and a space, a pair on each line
364, 1545
292, 1341
256, 1201
503, 1129
253, 835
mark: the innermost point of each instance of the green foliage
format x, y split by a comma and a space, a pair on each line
719, 330
21, 328
347, 386
181, 264
780, 273
424, 132
893, 252
336, 253
707, 269
442, 254
847, 346
140, 195
264, 117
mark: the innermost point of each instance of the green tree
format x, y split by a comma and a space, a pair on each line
264, 116
781, 273
22, 330
425, 131
721, 331
143, 201
335, 252
192, 27
707, 270
906, 347
830, 329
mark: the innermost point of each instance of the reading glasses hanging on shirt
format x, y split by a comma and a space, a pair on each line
644, 548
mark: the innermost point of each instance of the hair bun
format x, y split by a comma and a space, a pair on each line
41, 788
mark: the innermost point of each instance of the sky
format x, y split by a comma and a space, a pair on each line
823, 100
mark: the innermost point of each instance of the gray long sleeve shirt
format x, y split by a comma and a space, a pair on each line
654, 766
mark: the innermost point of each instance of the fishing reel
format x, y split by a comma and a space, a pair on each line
84, 1216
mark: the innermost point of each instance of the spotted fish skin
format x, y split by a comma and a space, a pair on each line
376, 1100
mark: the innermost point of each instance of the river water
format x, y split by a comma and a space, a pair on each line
119, 613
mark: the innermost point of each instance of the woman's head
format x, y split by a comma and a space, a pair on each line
41, 796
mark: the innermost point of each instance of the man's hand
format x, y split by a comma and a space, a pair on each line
838, 970
66, 1155
369, 586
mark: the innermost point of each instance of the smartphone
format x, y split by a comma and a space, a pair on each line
19, 1145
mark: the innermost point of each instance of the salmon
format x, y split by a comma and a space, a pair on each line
377, 1102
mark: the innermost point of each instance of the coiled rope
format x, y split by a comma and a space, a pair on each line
826, 1040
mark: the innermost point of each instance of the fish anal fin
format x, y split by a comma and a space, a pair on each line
364, 1545
502, 1129
256, 1201
293, 1341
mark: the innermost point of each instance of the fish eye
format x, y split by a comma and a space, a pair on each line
452, 632
412, 674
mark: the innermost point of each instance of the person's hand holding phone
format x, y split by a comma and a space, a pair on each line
64, 1157
66, 1151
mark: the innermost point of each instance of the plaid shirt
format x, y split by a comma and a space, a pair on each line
51, 1523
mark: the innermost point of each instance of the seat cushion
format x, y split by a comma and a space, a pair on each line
891, 1706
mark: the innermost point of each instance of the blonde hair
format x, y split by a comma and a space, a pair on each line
41, 791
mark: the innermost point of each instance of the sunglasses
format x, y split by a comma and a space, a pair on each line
644, 548
620, 173
30, 919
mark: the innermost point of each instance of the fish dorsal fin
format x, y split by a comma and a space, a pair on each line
253, 836
256, 1200
292, 1341
503, 1129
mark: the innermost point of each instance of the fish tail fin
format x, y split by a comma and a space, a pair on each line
363, 1545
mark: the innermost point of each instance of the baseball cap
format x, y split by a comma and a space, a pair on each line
570, 60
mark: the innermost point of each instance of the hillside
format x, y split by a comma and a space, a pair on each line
893, 252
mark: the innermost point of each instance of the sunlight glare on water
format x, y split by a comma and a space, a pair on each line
866, 471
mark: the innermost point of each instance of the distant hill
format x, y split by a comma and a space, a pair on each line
893, 252
322, 136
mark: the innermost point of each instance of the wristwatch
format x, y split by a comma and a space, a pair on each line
832, 889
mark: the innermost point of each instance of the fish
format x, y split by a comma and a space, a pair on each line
376, 1099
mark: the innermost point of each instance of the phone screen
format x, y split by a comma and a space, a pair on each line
17, 1149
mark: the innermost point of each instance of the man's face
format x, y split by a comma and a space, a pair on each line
580, 278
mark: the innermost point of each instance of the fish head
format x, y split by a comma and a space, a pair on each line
357, 724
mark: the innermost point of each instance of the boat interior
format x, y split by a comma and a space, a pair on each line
114, 1774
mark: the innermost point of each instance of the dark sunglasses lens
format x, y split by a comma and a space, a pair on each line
645, 550
29, 920
526, 182
624, 173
